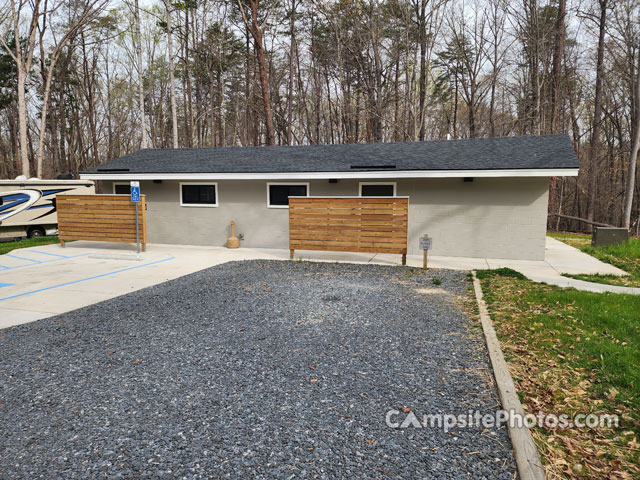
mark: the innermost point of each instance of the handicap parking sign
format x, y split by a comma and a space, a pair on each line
135, 191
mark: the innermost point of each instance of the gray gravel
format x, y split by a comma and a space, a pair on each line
257, 369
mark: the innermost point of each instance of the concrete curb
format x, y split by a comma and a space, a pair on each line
527, 459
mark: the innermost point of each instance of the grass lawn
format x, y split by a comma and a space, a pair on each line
625, 256
573, 352
6, 247
568, 235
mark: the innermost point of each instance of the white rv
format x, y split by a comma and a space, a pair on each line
28, 207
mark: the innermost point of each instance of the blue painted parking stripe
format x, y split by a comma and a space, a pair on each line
85, 279
46, 261
46, 253
2, 266
22, 258
5, 284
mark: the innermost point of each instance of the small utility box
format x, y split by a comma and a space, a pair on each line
603, 236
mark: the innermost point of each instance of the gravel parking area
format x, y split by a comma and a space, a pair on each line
256, 369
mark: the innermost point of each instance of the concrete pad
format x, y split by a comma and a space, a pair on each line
84, 273
454, 263
8, 262
57, 301
10, 317
567, 259
106, 256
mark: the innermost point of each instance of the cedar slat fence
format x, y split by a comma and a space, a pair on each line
349, 224
103, 218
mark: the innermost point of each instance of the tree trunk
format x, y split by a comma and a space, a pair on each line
262, 71
292, 46
212, 109
91, 107
534, 67
422, 83
594, 147
471, 113
22, 122
556, 72
43, 115
23, 59
492, 107
556, 75
455, 108
221, 120
172, 86
187, 76
633, 159
144, 143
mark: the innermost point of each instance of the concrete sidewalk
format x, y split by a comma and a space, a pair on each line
42, 281
562, 258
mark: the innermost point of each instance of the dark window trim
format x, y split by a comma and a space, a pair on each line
127, 184
206, 205
306, 184
394, 184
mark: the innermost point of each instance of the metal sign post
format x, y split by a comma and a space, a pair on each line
425, 245
135, 198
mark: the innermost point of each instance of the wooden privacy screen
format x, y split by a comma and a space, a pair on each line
349, 224
104, 218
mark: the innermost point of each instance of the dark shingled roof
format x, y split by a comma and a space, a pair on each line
531, 152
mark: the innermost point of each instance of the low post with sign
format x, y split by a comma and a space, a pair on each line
135, 198
425, 245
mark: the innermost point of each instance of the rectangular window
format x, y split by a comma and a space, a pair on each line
377, 189
199, 195
122, 189
278, 193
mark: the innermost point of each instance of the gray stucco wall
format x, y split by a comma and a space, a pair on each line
489, 217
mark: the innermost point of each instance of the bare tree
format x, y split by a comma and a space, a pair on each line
256, 29
633, 159
22, 53
87, 12
556, 72
144, 141
427, 22
172, 82
594, 146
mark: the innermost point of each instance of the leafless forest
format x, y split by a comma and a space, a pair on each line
84, 81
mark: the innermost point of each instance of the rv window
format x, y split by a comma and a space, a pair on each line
198, 195
377, 189
279, 193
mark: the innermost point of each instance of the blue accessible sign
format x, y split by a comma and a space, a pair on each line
135, 191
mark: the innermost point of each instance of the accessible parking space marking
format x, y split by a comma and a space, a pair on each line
22, 258
84, 279
46, 253
38, 262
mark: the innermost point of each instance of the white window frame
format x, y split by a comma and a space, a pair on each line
395, 187
283, 183
199, 205
120, 183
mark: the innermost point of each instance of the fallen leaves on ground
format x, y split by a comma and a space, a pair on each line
544, 371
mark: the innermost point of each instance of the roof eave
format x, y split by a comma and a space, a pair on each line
522, 172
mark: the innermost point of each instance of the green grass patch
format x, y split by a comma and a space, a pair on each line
6, 247
502, 272
573, 352
607, 279
561, 235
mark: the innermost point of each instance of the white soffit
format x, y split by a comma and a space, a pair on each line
555, 172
